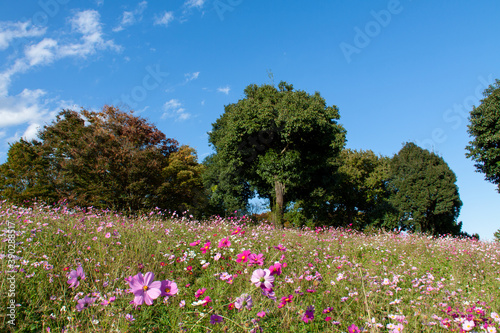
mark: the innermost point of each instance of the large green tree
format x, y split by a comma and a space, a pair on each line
484, 127
106, 159
424, 192
280, 141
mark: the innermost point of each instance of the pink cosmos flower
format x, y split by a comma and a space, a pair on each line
256, 259
243, 256
206, 247
262, 278
224, 242
107, 235
168, 288
275, 269
74, 275
261, 314
82, 303
144, 288
353, 329
236, 230
195, 243
200, 292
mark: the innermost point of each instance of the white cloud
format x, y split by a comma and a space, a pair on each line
87, 23
174, 109
191, 76
12, 30
194, 3
164, 19
26, 107
224, 90
131, 17
41, 53
31, 132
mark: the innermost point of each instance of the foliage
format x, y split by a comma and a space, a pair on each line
424, 192
102, 159
280, 142
484, 127
496, 235
378, 283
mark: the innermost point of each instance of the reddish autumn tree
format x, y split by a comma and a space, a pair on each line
107, 159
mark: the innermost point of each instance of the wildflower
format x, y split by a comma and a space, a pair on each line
468, 325
353, 329
205, 247
106, 302
284, 300
195, 243
256, 259
207, 300
397, 328
261, 314
491, 329
74, 275
168, 288
217, 256
224, 242
182, 303
309, 315
275, 269
144, 288
107, 235
280, 247
82, 303
237, 230
242, 300
129, 317
215, 319
199, 292
328, 310
262, 278
243, 256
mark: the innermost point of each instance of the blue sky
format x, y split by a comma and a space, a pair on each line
398, 70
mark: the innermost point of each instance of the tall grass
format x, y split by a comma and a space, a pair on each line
381, 282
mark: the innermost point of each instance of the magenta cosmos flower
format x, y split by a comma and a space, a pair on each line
309, 315
144, 288
243, 256
74, 275
262, 278
205, 247
256, 259
275, 269
168, 288
224, 242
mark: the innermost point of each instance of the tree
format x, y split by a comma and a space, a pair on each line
279, 141
106, 159
360, 196
424, 192
484, 127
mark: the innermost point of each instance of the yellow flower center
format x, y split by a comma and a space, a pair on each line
167, 290
145, 288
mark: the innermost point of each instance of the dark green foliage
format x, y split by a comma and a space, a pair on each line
484, 127
106, 159
279, 142
424, 192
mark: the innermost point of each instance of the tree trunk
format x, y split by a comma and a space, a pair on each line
279, 189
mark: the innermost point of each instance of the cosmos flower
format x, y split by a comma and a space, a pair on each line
74, 275
262, 278
309, 315
168, 288
144, 288
243, 256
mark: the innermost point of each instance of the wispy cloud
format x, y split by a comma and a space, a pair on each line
131, 17
224, 90
191, 76
174, 109
195, 3
164, 19
13, 30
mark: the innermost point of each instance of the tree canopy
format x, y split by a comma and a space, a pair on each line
106, 159
484, 127
279, 141
425, 195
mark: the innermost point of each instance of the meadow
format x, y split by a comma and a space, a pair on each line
87, 270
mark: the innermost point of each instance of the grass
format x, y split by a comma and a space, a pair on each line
382, 282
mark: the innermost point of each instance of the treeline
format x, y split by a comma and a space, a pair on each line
282, 144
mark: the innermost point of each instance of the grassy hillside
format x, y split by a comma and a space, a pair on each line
228, 275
